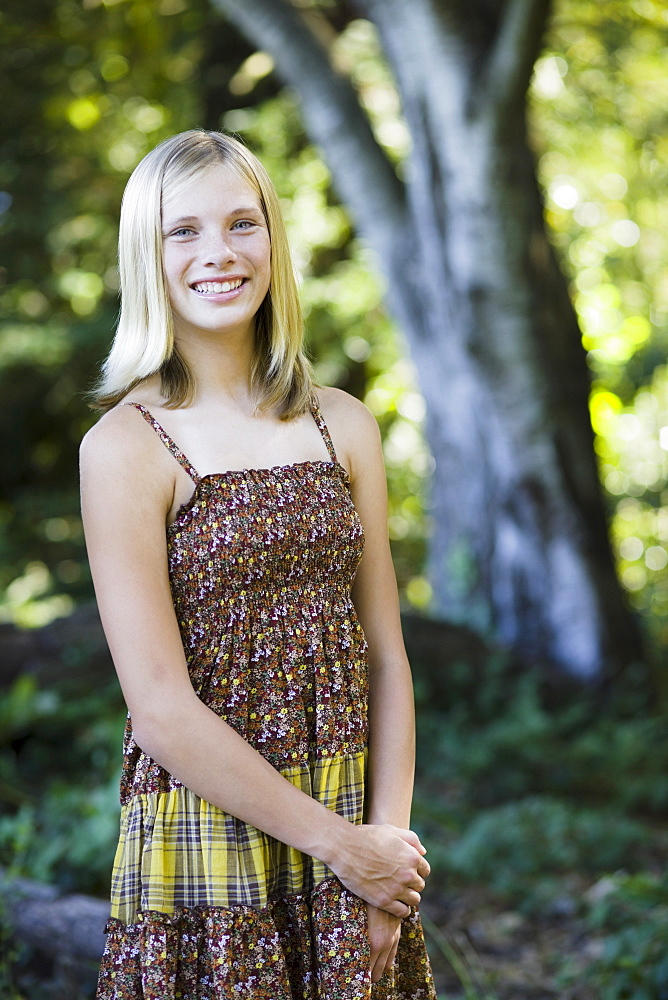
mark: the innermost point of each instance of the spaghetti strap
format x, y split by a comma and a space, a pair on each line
166, 440
322, 427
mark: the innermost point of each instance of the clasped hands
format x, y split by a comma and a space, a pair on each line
385, 866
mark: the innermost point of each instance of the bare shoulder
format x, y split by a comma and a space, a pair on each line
346, 415
115, 436
354, 431
122, 454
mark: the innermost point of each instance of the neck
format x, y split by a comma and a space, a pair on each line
219, 368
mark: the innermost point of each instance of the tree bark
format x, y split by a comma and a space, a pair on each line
519, 549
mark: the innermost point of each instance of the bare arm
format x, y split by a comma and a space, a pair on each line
391, 716
127, 489
391, 713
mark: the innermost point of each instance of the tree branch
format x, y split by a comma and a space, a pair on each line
426, 57
361, 172
504, 81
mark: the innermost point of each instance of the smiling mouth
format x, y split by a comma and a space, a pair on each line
216, 287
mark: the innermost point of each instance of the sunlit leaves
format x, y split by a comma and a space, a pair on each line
600, 95
257, 66
88, 88
83, 113
114, 67
103, 80
358, 52
34, 345
28, 600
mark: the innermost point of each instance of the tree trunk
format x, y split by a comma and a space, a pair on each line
519, 549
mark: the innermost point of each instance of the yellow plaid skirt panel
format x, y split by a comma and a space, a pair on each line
176, 849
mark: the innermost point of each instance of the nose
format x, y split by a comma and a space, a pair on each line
218, 250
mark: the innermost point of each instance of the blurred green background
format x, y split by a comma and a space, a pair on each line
528, 799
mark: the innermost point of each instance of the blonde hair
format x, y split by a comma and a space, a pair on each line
144, 341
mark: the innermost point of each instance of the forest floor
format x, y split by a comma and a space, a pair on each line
544, 819
502, 954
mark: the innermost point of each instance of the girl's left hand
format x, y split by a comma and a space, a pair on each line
384, 930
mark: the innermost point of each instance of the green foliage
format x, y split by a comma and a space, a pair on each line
498, 737
517, 795
631, 912
87, 89
59, 760
68, 839
599, 100
99, 84
522, 849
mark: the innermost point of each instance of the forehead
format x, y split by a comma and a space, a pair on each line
215, 187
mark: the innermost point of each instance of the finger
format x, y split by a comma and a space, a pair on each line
379, 964
423, 868
391, 957
412, 838
420, 846
397, 909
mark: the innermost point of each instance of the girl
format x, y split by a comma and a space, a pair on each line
249, 602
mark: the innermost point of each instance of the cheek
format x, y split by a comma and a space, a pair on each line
172, 270
168, 266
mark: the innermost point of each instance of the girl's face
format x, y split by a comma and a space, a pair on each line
216, 254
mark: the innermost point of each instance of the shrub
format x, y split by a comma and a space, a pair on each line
521, 849
632, 914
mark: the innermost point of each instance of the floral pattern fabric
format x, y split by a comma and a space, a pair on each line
261, 563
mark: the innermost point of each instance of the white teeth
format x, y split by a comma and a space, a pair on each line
215, 287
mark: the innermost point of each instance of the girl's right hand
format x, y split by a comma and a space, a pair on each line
384, 865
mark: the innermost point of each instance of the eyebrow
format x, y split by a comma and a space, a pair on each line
179, 222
